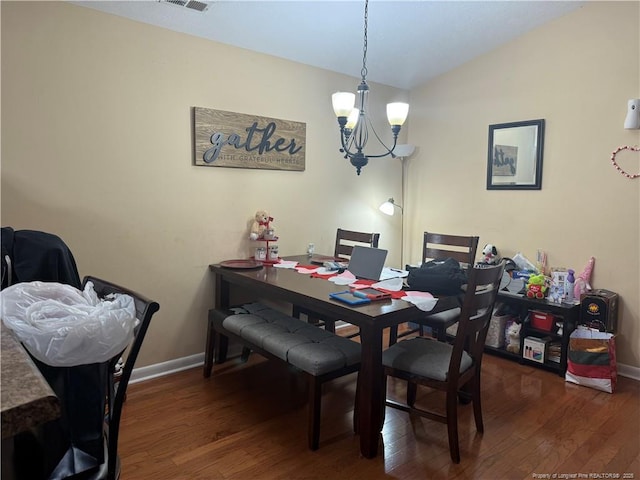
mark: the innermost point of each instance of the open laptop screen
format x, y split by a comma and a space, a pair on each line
367, 262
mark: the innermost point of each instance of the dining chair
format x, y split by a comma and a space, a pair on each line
438, 246
449, 367
119, 375
345, 241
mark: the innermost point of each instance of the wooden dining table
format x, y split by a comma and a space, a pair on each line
312, 293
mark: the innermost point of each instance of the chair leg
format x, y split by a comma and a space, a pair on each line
330, 325
315, 399
393, 335
356, 410
441, 334
384, 406
452, 426
412, 390
477, 404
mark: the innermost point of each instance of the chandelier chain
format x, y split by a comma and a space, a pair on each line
364, 72
355, 124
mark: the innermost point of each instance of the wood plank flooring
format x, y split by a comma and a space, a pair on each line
248, 422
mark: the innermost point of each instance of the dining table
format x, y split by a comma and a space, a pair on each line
312, 293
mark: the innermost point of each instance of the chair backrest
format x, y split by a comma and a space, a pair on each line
145, 309
437, 246
346, 239
477, 308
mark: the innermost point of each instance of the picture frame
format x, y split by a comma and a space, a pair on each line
514, 157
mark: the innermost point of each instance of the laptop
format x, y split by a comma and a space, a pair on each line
367, 262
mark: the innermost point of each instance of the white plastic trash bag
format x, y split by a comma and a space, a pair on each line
63, 326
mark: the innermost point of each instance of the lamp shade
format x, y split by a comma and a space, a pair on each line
397, 113
343, 103
388, 207
352, 119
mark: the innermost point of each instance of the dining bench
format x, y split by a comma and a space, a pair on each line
317, 354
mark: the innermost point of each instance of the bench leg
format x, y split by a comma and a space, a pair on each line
246, 352
315, 399
208, 349
221, 347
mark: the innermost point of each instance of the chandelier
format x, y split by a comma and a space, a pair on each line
353, 121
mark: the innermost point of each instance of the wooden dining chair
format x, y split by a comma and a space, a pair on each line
449, 367
438, 246
118, 378
345, 241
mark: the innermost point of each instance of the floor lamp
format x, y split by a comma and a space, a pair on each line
389, 207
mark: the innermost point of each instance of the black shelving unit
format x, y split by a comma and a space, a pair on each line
567, 313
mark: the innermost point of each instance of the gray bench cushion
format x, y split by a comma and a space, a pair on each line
308, 348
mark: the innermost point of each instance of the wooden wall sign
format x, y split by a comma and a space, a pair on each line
228, 139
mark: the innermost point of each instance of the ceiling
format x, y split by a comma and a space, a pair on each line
409, 42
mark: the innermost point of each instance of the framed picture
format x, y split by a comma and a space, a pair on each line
514, 160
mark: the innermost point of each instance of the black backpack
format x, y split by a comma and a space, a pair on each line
439, 277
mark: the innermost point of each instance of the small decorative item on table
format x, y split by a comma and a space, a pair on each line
537, 286
262, 231
261, 225
557, 292
261, 253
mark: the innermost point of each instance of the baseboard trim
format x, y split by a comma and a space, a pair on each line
629, 371
173, 366
166, 368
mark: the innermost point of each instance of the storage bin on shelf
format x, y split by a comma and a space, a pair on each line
541, 320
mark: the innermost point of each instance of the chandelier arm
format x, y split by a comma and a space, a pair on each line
345, 140
389, 150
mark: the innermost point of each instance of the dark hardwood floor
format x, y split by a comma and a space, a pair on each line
248, 421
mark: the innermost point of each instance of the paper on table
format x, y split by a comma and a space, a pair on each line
423, 300
308, 270
392, 284
345, 278
388, 273
326, 271
285, 264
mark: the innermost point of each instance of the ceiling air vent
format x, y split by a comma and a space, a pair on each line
190, 4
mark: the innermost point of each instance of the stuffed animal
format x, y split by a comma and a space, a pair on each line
489, 254
513, 337
583, 280
260, 225
537, 286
